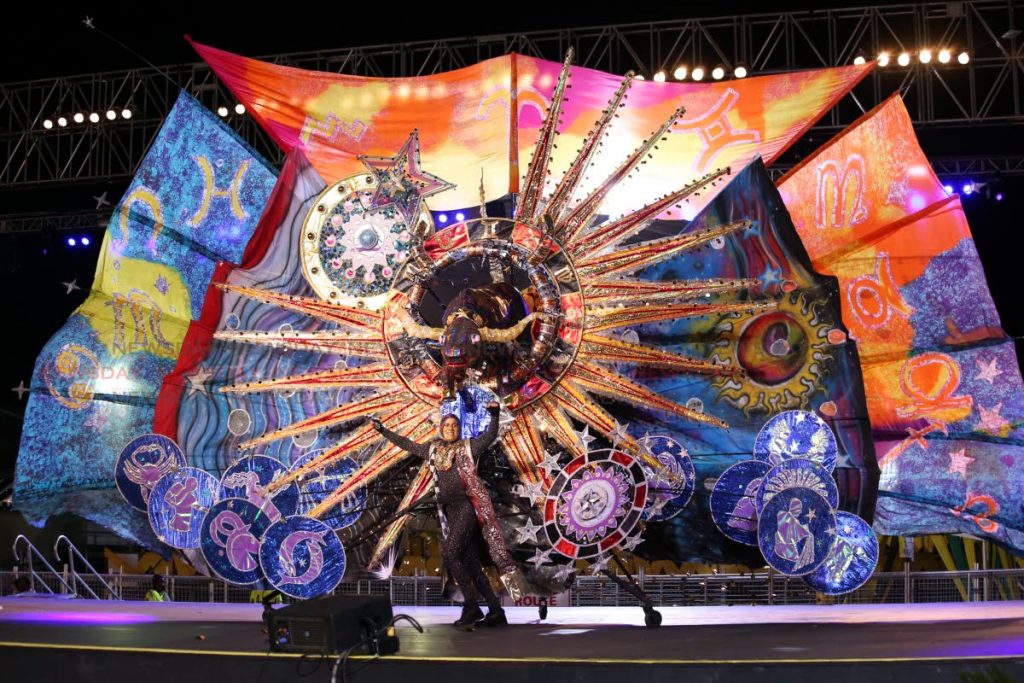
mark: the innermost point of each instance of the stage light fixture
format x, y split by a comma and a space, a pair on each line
62, 122
903, 59
126, 113
718, 73
924, 56
963, 58
459, 217
740, 72
94, 117
640, 77
442, 219
698, 74
222, 111
999, 196
883, 59
944, 56
239, 108
859, 59
85, 241
111, 115
47, 124
948, 189
968, 188
659, 77
79, 117
71, 242
680, 73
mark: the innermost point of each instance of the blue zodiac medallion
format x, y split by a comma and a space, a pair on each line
140, 465
733, 500
230, 540
178, 503
795, 531
798, 473
302, 557
796, 434
317, 485
851, 560
671, 487
249, 478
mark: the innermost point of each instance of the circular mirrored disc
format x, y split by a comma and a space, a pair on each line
795, 531
798, 473
669, 488
178, 503
302, 557
230, 540
318, 484
733, 500
249, 478
796, 434
851, 560
141, 464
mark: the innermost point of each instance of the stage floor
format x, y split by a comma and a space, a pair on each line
956, 635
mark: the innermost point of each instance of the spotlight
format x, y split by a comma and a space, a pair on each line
126, 113
222, 111
79, 117
859, 59
111, 115
925, 56
85, 241
740, 72
903, 59
659, 77
697, 74
680, 73
948, 189
47, 124
62, 122
968, 188
239, 108
640, 77
883, 59
459, 217
94, 117
999, 196
717, 73
442, 219
963, 58
71, 242
944, 56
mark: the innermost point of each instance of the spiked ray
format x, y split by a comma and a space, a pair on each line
358, 318
583, 213
574, 174
604, 319
533, 184
380, 375
370, 405
339, 343
402, 419
525, 448
417, 489
620, 292
376, 466
554, 421
647, 253
599, 380
606, 349
615, 231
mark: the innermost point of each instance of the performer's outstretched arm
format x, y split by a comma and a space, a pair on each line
480, 443
417, 449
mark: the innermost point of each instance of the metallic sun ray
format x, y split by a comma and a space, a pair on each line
647, 253
605, 349
604, 319
339, 343
612, 232
369, 405
625, 292
417, 489
575, 401
553, 420
359, 318
536, 174
604, 382
525, 448
569, 183
379, 375
580, 216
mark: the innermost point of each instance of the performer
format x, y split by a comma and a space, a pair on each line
466, 513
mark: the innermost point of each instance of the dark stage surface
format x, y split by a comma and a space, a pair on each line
57, 640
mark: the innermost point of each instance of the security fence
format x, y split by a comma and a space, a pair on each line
677, 590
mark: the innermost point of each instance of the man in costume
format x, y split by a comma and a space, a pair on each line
466, 514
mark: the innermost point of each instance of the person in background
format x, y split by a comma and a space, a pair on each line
158, 593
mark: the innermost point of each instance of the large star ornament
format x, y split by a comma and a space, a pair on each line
401, 182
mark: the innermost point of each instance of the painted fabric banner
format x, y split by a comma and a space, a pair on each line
943, 385
465, 128
194, 201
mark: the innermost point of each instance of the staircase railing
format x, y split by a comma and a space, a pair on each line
76, 578
32, 555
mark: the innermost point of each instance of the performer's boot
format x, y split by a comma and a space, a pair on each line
495, 617
471, 614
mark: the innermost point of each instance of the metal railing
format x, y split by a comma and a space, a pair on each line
32, 555
76, 578
676, 590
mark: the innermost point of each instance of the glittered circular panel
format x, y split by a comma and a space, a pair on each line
178, 503
733, 504
851, 560
594, 503
249, 477
796, 434
140, 465
317, 485
671, 487
798, 473
302, 557
795, 531
230, 540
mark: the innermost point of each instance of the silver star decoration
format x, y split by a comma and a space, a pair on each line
631, 543
71, 286
831, 531
619, 433
564, 572
528, 532
600, 565
198, 379
800, 417
88, 21
101, 200
658, 506
21, 389
540, 557
531, 491
585, 438
549, 463
811, 514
